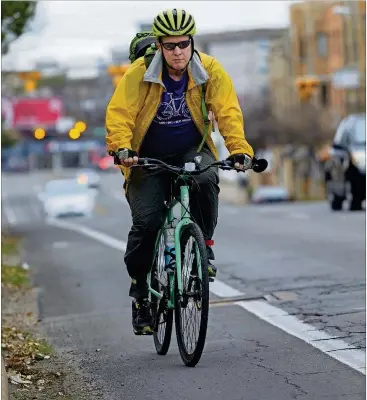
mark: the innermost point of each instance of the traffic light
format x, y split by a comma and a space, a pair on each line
74, 134
118, 69
39, 134
117, 72
80, 126
306, 87
30, 79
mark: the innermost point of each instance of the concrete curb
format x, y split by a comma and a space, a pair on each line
4, 381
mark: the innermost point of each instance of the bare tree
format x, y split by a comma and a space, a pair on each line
302, 124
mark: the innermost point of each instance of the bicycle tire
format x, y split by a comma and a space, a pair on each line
191, 359
158, 308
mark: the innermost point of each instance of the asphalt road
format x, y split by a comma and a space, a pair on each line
289, 263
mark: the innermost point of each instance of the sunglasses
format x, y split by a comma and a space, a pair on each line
181, 45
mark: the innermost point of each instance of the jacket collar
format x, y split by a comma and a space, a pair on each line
196, 70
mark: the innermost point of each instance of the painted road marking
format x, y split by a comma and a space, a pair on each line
338, 349
8, 210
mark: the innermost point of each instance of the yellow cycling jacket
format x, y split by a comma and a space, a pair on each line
137, 97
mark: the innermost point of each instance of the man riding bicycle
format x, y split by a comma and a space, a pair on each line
157, 112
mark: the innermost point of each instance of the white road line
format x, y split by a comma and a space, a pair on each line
335, 348
9, 212
221, 289
92, 233
10, 215
338, 349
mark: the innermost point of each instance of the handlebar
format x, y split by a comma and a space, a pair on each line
193, 168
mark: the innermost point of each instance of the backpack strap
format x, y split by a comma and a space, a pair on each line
204, 110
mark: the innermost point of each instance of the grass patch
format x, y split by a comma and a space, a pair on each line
45, 348
14, 276
9, 244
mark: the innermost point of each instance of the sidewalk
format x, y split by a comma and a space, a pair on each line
4, 381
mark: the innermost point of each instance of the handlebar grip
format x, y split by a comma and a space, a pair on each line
259, 165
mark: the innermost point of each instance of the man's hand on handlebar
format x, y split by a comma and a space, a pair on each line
125, 157
241, 161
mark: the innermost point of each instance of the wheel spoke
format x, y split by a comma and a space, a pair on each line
162, 316
190, 320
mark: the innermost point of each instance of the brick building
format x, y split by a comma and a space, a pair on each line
328, 40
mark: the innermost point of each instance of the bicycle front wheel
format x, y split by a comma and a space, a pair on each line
162, 316
192, 308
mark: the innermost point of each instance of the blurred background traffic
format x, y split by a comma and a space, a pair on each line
299, 73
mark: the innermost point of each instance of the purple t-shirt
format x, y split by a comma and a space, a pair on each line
172, 129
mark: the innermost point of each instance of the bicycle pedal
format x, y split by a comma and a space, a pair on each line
147, 331
139, 333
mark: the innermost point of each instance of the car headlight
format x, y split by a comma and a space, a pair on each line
82, 179
359, 159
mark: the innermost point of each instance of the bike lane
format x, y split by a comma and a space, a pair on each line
86, 313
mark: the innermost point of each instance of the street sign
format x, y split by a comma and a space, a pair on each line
346, 78
341, 10
99, 131
36, 112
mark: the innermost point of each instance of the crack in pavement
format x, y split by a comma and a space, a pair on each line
258, 362
345, 348
341, 395
276, 373
332, 338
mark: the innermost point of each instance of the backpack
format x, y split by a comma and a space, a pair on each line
143, 45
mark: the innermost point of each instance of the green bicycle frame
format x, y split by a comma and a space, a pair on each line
184, 220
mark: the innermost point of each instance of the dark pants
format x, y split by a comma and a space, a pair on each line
146, 194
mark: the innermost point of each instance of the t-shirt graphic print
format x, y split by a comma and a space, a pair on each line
172, 130
173, 110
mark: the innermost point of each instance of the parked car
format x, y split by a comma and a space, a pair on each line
16, 164
270, 194
62, 197
347, 165
88, 177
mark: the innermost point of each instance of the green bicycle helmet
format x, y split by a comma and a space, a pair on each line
141, 42
174, 22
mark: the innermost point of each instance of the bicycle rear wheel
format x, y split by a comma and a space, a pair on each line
195, 296
162, 316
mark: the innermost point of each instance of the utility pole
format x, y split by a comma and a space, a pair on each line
351, 24
309, 37
356, 31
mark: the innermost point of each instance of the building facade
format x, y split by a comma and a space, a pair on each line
328, 41
244, 55
282, 91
